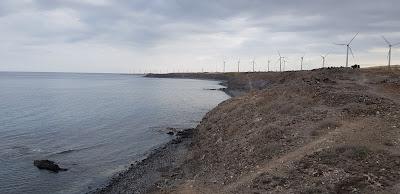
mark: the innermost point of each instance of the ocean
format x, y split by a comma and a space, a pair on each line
95, 125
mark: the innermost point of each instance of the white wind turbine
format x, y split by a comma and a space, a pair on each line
269, 62
253, 62
324, 59
301, 62
280, 61
390, 49
284, 63
348, 49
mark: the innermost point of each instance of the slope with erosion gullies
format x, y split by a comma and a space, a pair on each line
329, 130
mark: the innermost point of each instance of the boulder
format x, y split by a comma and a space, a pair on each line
170, 133
48, 165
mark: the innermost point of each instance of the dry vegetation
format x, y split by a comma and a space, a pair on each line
332, 131
323, 131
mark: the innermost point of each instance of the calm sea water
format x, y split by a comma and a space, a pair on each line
93, 124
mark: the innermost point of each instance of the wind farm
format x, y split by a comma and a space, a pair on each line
282, 61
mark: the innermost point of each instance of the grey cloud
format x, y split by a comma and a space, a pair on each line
335, 16
261, 25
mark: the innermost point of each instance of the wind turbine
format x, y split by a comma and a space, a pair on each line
253, 63
269, 62
324, 59
390, 49
224, 66
238, 65
280, 61
348, 49
301, 62
284, 64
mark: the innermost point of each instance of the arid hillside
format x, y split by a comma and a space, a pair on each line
322, 131
334, 130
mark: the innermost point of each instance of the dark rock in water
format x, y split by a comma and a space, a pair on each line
48, 165
170, 133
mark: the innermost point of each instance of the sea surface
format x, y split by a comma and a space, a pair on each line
93, 124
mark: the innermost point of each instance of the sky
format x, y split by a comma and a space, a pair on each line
126, 36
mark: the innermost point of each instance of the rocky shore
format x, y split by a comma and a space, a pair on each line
146, 175
323, 131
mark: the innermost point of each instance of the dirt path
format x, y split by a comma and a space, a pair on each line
284, 162
379, 90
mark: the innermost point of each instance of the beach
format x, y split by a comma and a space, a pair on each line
331, 130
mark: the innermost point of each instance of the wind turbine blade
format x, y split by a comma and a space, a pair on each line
327, 54
353, 38
396, 44
279, 54
351, 51
340, 44
386, 40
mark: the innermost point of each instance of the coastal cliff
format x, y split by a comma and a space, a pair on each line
330, 130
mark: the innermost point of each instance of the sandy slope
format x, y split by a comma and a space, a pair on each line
323, 131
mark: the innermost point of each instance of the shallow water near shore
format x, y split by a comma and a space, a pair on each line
93, 124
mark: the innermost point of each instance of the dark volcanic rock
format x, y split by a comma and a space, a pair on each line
187, 133
48, 165
170, 133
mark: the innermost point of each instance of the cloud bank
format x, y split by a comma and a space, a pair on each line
185, 35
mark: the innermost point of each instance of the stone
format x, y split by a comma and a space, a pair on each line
48, 165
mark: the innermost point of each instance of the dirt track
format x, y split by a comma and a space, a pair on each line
323, 131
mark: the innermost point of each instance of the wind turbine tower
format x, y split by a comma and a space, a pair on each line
324, 60
301, 63
390, 50
224, 66
280, 61
348, 49
238, 65
284, 64
269, 62
253, 63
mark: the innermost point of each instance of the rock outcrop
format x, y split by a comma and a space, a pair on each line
48, 165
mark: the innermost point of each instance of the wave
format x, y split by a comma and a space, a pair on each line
25, 149
68, 151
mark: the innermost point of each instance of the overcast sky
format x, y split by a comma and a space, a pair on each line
167, 35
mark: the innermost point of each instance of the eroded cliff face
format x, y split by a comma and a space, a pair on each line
331, 130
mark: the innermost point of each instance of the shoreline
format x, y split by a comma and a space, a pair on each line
153, 167
146, 172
